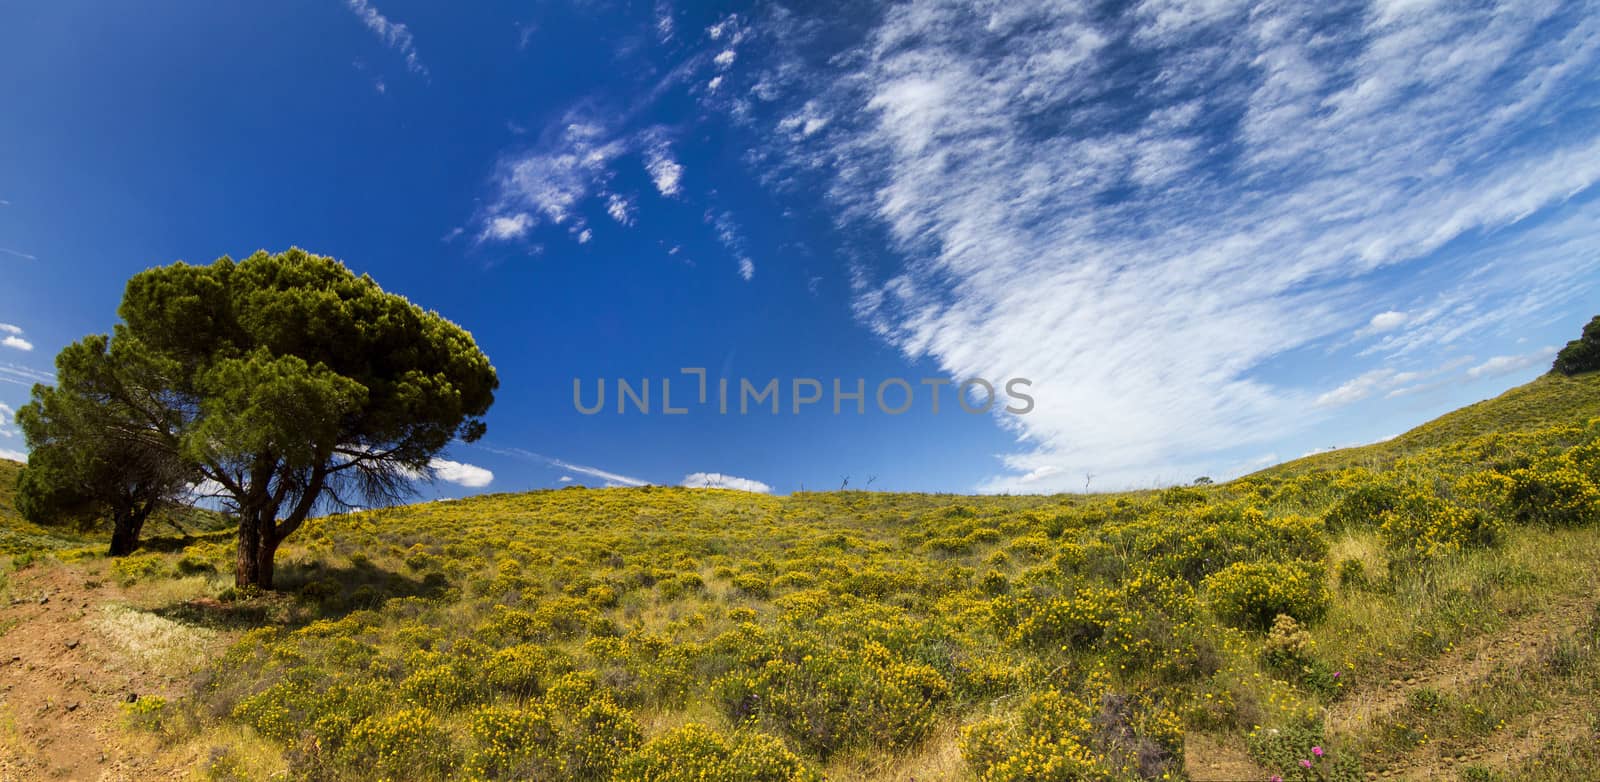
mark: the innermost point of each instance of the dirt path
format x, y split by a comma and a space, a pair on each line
72, 651
1561, 723
1469, 663
1209, 758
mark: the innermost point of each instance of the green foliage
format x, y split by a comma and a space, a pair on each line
1087, 733
93, 456
695, 753
285, 379
1253, 594
409, 744
1297, 752
1582, 354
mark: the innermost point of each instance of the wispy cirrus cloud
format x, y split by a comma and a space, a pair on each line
609, 478
393, 34
20, 375
1505, 365
1140, 209
717, 480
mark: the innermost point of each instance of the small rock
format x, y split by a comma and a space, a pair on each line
131, 697
73, 644
73, 706
44, 599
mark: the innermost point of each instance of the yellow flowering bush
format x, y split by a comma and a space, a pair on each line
1253, 594
696, 752
408, 744
514, 743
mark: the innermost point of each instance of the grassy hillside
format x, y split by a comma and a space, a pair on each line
1550, 400
1422, 607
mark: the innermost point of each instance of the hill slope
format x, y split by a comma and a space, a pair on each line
1549, 400
1425, 604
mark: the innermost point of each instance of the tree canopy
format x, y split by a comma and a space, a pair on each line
287, 382
1582, 354
93, 456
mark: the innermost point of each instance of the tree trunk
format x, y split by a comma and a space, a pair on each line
264, 556
258, 544
125, 533
124, 538
247, 566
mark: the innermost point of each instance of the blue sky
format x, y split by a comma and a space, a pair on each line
1214, 235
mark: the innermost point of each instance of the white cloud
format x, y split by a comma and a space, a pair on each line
664, 171
10, 329
17, 253
620, 209
393, 34
747, 269
19, 375
611, 479
1365, 385
1505, 365
1142, 254
1386, 321
468, 475
664, 26
16, 342
725, 58
716, 480
585, 235
564, 479
15, 456
552, 180
505, 227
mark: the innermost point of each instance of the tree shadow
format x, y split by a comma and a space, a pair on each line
168, 544
304, 593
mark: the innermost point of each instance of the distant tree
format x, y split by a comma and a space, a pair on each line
1204, 480
288, 383
93, 457
1582, 354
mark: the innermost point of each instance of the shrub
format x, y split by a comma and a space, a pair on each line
1059, 736
1555, 492
829, 700
602, 735
752, 586
1423, 527
409, 744
1288, 644
1353, 574
441, 687
1363, 499
522, 669
128, 571
695, 752
514, 743
1253, 594
1282, 750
